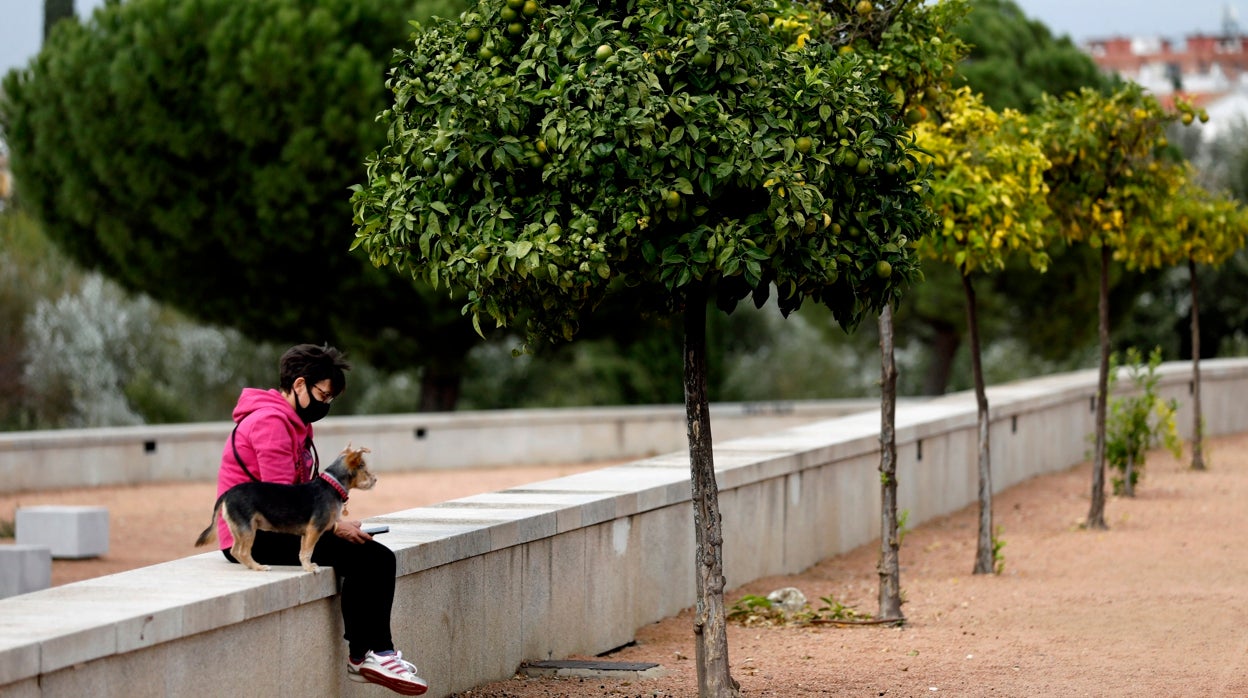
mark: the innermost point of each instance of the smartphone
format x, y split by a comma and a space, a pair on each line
374, 529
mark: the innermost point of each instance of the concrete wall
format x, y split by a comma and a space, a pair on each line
569, 565
44, 460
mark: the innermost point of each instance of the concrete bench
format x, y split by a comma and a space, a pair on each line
69, 531
24, 568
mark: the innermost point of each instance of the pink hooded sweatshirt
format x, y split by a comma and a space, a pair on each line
271, 440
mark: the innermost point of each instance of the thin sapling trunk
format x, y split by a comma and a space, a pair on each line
890, 534
710, 625
1198, 422
983, 547
1096, 512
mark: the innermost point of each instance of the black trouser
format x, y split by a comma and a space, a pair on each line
366, 571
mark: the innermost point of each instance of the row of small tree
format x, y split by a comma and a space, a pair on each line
674, 151
542, 161
1088, 168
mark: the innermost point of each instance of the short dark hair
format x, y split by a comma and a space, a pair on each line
314, 364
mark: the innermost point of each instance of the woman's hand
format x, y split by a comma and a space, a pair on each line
351, 531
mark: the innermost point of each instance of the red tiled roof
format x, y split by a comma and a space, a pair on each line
1198, 56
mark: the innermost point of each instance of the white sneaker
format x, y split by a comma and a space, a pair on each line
388, 669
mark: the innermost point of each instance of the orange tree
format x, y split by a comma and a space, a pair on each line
988, 188
1106, 182
911, 50
1196, 227
545, 156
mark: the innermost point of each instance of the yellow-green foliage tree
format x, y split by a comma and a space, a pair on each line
988, 188
911, 50
1106, 182
1196, 227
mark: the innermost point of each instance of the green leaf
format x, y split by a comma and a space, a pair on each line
685, 277
753, 272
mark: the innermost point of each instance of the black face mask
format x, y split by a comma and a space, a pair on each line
315, 409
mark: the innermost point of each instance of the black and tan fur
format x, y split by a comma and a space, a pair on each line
307, 510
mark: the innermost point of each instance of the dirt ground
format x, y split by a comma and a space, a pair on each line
1155, 606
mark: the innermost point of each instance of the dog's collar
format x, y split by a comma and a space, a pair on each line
333, 482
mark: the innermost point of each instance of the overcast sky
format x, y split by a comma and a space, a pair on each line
21, 21
1087, 19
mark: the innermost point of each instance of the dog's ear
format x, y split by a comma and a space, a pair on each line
354, 457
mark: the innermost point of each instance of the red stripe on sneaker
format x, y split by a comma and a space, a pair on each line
405, 688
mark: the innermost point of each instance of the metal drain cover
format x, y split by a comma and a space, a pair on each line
593, 667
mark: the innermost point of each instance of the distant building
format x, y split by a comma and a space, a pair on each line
1211, 70
1204, 63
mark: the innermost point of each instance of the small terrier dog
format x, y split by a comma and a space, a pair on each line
307, 510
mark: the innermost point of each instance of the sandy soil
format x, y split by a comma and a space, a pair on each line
1155, 606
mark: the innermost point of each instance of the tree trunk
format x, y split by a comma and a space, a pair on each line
1096, 512
1128, 475
983, 548
1198, 422
944, 349
710, 623
439, 388
890, 537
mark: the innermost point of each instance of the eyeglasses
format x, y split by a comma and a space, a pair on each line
320, 395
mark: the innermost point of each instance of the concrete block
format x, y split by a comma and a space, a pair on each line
24, 568
70, 531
